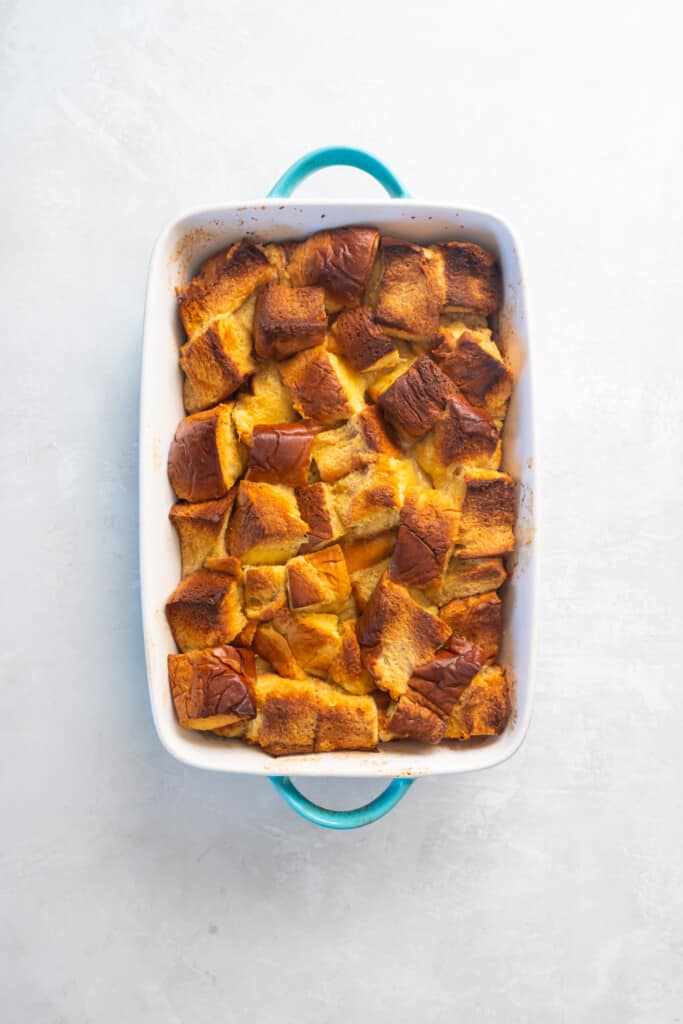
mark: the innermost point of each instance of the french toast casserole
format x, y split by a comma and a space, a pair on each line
341, 512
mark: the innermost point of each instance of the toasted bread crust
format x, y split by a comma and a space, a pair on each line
288, 320
224, 282
339, 261
471, 278
213, 688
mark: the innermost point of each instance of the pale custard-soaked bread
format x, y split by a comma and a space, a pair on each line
342, 518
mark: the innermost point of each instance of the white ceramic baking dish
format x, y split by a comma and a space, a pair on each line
182, 247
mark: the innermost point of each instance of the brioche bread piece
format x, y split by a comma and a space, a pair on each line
265, 591
288, 320
471, 277
323, 387
205, 458
347, 670
317, 509
224, 282
268, 402
226, 564
483, 708
370, 499
477, 620
462, 435
396, 634
474, 363
380, 384
412, 719
265, 528
338, 261
216, 362
213, 688
205, 610
466, 577
303, 716
363, 344
441, 681
353, 445
201, 530
364, 581
416, 399
408, 295
487, 516
318, 581
278, 255
281, 453
299, 644
365, 551
427, 532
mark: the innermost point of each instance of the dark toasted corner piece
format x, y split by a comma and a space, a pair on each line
408, 294
281, 454
205, 458
205, 610
478, 620
487, 517
471, 278
474, 363
216, 362
427, 532
288, 320
416, 399
339, 261
201, 530
483, 708
318, 581
463, 435
359, 339
442, 680
224, 282
213, 688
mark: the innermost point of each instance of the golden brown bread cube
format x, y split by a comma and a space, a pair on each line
299, 644
484, 707
411, 719
338, 261
318, 510
357, 442
278, 255
466, 577
370, 499
303, 716
427, 532
396, 634
347, 669
441, 681
224, 563
205, 610
201, 530
408, 295
265, 591
365, 551
474, 363
267, 402
364, 581
462, 435
380, 383
476, 619
281, 454
318, 581
416, 399
216, 361
323, 387
487, 515
205, 458
288, 320
265, 528
471, 276
224, 282
362, 342
213, 688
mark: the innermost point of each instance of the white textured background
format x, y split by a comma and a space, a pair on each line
137, 891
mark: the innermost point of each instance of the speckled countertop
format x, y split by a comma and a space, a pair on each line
549, 889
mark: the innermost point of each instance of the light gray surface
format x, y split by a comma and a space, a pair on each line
549, 889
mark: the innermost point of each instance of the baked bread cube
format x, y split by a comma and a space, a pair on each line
288, 320
365, 551
363, 344
474, 363
268, 402
318, 510
487, 516
304, 716
462, 436
318, 581
427, 532
369, 500
408, 294
323, 387
379, 384
347, 670
357, 442
205, 610
411, 719
471, 276
201, 530
278, 255
214, 688
224, 563
216, 361
477, 620
396, 634
224, 282
281, 453
364, 581
442, 680
416, 399
467, 577
265, 591
299, 644
484, 707
339, 261
265, 528
205, 458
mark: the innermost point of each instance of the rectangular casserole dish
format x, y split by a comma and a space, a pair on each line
182, 247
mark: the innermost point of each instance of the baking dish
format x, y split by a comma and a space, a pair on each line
181, 248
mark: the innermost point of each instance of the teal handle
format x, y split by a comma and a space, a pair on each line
341, 820
333, 156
